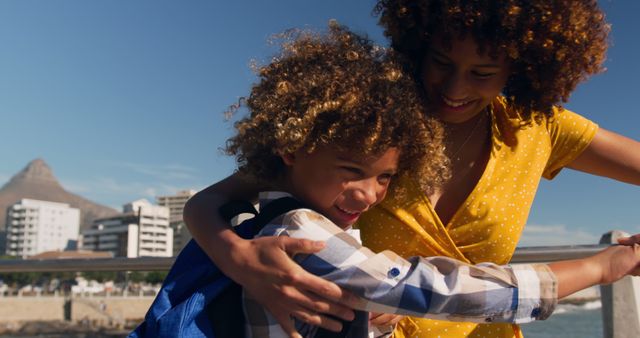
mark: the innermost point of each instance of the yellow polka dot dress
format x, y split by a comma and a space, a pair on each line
487, 226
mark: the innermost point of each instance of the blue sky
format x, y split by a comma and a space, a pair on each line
125, 99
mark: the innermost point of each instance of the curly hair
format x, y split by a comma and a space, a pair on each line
552, 44
337, 90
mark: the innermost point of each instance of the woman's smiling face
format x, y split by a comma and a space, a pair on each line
459, 82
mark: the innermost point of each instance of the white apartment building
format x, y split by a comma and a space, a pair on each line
142, 230
35, 226
175, 203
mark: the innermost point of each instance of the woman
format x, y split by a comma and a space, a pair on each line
494, 73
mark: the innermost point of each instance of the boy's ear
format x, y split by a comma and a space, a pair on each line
288, 158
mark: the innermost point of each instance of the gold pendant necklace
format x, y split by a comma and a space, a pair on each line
466, 140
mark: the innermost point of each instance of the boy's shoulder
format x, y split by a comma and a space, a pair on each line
309, 224
300, 222
291, 215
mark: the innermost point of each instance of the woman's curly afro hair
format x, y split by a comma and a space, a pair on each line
337, 90
552, 44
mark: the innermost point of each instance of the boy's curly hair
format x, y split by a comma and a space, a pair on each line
552, 44
341, 91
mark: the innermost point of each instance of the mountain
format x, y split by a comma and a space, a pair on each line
36, 181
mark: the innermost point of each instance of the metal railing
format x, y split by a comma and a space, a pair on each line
522, 255
87, 264
621, 301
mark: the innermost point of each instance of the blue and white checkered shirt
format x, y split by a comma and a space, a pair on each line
435, 287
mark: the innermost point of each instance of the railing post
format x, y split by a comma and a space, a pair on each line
67, 307
620, 300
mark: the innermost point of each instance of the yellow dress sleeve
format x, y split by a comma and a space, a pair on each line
570, 135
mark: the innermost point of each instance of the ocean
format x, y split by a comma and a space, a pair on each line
569, 321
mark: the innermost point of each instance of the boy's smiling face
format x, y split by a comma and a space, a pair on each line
340, 185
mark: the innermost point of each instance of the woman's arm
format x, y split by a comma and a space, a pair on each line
434, 287
611, 155
605, 267
262, 266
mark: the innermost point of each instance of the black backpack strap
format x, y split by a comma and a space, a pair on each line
274, 209
232, 209
225, 313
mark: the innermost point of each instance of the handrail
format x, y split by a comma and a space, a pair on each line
522, 255
538, 254
87, 264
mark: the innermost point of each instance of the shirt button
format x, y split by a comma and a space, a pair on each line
394, 272
535, 313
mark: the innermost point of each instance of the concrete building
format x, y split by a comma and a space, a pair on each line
175, 203
142, 230
35, 226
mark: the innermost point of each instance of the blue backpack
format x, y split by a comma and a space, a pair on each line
196, 298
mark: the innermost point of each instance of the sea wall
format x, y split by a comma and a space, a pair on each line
101, 309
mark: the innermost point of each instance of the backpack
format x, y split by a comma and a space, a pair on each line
196, 298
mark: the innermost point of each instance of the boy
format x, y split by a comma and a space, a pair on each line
333, 121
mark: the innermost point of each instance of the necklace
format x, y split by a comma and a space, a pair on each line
466, 140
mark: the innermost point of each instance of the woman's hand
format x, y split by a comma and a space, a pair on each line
384, 319
267, 273
631, 240
618, 261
